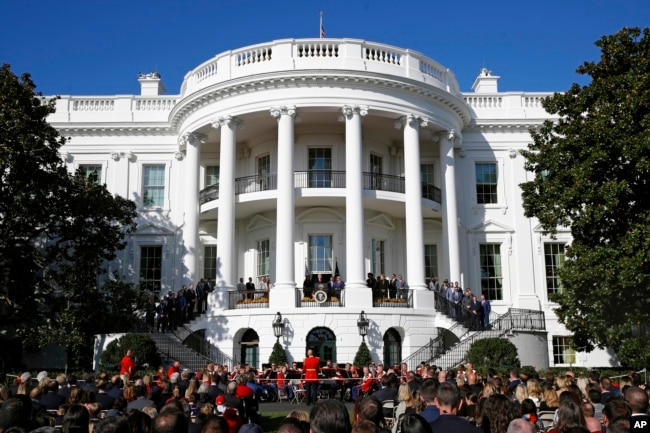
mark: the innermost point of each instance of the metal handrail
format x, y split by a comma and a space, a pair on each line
319, 179
248, 299
204, 347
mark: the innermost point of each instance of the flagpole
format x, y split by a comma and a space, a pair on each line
320, 28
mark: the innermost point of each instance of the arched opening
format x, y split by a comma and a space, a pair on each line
323, 342
250, 343
392, 348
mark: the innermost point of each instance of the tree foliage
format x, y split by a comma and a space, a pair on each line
591, 172
497, 353
363, 357
56, 229
278, 355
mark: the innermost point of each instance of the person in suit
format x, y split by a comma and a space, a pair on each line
102, 397
447, 400
51, 400
387, 392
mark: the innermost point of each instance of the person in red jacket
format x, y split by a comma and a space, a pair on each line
311, 365
174, 368
127, 364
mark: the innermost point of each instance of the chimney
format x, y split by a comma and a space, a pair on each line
486, 82
151, 84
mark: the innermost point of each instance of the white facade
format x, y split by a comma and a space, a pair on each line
324, 143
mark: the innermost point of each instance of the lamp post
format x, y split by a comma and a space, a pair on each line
362, 324
278, 326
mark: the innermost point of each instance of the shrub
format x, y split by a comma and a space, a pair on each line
362, 358
143, 347
278, 356
497, 353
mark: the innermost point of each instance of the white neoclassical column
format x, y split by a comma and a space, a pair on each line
357, 294
413, 193
193, 143
226, 275
449, 205
284, 240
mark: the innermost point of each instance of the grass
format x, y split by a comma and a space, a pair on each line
270, 421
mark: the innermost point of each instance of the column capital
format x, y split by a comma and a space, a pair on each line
451, 135
289, 110
347, 111
227, 121
193, 139
412, 120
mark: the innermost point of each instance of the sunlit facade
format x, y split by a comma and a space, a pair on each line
313, 156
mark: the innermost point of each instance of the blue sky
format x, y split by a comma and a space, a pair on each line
97, 47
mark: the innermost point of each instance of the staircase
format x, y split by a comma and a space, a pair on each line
190, 348
442, 352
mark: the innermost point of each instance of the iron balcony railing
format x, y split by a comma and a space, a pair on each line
201, 345
248, 299
319, 179
392, 298
316, 300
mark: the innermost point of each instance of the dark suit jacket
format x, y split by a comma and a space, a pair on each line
105, 399
451, 423
52, 400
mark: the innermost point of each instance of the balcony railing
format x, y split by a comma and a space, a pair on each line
392, 298
383, 182
248, 299
313, 300
257, 183
319, 179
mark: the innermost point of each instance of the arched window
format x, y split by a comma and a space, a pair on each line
392, 348
323, 342
250, 342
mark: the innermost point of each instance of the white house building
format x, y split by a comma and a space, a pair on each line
324, 155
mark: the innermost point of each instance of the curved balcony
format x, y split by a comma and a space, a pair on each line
319, 179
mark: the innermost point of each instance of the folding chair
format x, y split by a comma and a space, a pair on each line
389, 406
546, 417
299, 394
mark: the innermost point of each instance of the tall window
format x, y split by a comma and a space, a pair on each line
431, 261
486, 183
210, 262
150, 268
153, 190
377, 257
491, 276
392, 347
263, 257
92, 170
211, 175
426, 174
320, 254
563, 352
320, 168
553, 261
264, 171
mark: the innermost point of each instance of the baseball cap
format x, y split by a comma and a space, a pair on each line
221, 399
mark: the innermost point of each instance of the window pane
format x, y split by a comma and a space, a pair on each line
210, 262
486, 183
320, 166
211, 175
263, 258
553, 261
264, 171
426, 174
563, 352
491, 277
377, 259
150, 268
154, 185
320, 254
90, 170
431, 260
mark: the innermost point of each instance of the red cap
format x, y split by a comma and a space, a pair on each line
221, 399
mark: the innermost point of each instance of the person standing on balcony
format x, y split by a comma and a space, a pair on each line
477, 311
485, 303
311, 365
337, 286
401, 287
308, 288
190, 297
241, 288
250, 288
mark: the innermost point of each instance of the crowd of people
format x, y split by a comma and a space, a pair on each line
386, 400
174, 309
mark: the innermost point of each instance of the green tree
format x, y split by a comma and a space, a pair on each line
591, 174
497, 353
56, 231
278, 355
362, 358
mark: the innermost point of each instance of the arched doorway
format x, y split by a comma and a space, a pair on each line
250, 343
392, 348
323, 342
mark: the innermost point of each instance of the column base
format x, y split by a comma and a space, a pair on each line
358, 296
281, 296
423, 299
